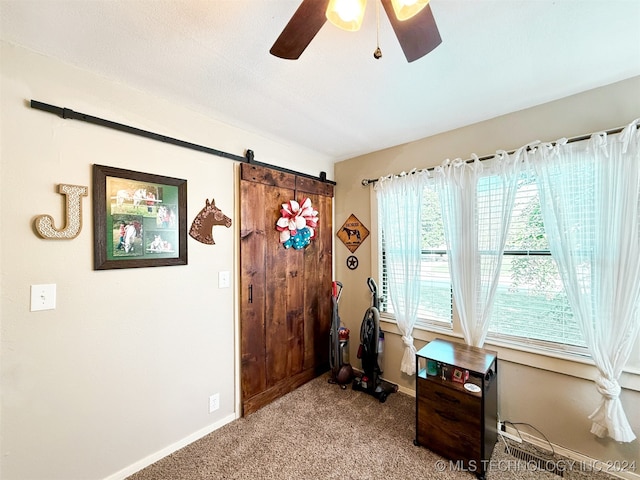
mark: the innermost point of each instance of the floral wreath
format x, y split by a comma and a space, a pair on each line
297, 224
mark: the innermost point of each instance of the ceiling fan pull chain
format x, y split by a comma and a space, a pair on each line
377, 53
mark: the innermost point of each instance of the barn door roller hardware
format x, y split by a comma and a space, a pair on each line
67, 113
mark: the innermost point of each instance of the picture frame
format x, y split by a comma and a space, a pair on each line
139, 219
459, 375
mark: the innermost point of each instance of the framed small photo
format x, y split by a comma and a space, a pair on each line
140, 219
459, 375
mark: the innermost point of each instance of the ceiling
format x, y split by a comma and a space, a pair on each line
212, 56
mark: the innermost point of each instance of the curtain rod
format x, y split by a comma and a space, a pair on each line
67, 113
368, 181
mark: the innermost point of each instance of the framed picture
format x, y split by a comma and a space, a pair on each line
139, 219
459, 375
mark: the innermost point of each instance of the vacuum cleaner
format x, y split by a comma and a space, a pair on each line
341, 370
371, 350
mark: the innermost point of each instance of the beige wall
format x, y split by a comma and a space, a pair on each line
122, 370
555, 403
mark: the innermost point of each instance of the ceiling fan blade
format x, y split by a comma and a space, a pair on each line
303, 26
417, 35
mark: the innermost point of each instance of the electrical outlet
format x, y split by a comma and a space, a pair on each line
214, 402
512, 433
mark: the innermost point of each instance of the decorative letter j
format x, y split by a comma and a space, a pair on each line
73, 213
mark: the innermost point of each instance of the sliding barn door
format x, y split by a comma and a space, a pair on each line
285, 299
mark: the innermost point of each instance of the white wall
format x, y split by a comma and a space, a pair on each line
121, 371
554, 395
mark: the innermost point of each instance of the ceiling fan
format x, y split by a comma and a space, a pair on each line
418, 35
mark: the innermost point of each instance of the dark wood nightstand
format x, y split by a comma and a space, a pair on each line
457, 403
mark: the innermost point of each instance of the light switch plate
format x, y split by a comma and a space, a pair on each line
224, 280
43, 297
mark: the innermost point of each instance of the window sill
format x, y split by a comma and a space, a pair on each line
553, 362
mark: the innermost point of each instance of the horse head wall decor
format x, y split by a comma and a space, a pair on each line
210, 215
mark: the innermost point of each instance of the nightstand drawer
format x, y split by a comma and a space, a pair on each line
449, 422
451, 404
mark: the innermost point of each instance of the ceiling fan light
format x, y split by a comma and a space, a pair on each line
346, 14
405, 9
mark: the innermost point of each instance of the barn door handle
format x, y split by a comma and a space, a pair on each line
250, 293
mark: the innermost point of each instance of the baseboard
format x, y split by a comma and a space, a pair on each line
154, 457
582, 462
406, 391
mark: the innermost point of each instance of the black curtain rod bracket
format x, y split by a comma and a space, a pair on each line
69, 114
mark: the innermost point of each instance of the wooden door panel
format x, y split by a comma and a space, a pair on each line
252, 292
284, 282
296, 344
317, 293
285, 329
267, 176
325, 275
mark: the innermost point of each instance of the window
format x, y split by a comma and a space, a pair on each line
530, 306
436, 306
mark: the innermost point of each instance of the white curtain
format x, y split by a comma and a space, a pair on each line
400, 208
476, 221
590, 202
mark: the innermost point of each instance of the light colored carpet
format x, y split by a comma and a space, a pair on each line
320, 431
